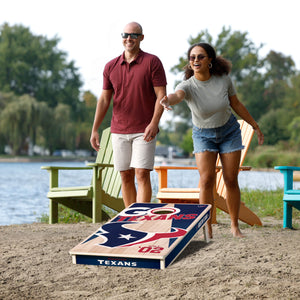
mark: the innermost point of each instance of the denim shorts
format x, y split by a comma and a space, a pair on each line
224, 139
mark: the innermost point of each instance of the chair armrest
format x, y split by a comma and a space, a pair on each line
287, 172
175, 168
100, 165
54, 171
287, 168
50, 168
163, 173
245, 168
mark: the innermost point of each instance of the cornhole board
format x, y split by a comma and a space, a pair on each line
144, 235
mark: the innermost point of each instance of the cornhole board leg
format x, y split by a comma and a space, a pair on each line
205, 232
144, 235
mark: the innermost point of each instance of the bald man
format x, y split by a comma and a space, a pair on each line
136, 81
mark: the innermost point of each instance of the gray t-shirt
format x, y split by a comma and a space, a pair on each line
208, 100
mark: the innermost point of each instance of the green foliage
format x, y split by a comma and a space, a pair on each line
264, 203
291, 101
67, 215
19, 121
270, 156
294, 129
278, 66
41, 101
187, 142
250, 91
274, 125
34, 65
40, 95
236, 47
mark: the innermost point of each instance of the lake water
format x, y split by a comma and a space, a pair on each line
24, 186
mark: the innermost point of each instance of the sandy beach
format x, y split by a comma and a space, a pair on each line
35, 264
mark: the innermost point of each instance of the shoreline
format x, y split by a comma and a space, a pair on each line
177, 161
20, 159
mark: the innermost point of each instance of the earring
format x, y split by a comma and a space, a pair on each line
189, 67
209, 65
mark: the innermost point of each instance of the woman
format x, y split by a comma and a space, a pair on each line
210, 95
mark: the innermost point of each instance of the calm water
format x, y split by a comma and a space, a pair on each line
24, 186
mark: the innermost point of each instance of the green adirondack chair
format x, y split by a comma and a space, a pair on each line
89, 200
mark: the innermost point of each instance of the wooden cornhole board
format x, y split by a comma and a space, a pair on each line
144, 235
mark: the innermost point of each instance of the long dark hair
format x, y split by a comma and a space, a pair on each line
220, 65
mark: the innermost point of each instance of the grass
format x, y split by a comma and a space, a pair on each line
263, 203
67, 215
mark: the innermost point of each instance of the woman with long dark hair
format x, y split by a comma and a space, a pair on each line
211, 97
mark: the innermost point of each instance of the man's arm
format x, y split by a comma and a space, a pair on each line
101, 110
152, 129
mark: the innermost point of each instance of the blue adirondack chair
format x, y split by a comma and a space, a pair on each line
89, 200
291, 196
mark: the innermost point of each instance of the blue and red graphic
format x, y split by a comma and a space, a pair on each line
116, 234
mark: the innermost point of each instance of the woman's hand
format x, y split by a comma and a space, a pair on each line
165, 103
260, 136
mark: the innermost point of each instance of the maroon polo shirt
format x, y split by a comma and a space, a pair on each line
134, 96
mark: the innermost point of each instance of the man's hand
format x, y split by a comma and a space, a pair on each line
94, 140
150, 133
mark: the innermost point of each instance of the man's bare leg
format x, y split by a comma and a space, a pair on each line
144, 191
128, 187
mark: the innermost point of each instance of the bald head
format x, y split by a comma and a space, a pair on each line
133, 27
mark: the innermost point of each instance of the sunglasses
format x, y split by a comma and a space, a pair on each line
132, 35
199, 57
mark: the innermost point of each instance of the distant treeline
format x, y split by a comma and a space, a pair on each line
42, 105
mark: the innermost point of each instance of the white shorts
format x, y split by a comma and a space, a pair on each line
132, 151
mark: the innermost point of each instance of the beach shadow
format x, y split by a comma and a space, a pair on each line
191, 248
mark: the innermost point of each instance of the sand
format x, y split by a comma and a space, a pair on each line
35, 264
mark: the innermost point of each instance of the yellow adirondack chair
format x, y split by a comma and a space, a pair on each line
89, 200
191, 195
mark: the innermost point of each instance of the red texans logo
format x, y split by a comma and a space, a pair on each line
117, 235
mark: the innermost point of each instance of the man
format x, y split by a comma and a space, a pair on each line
137, 82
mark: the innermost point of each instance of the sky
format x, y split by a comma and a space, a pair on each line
90, 30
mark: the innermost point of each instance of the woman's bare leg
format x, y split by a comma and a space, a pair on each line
230, 164
206, 163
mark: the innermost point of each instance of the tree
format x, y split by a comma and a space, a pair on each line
187, 142
291, 100
63, 130
250, 92
19, 121
274, 126
279, 69
34, 65
241, 51
294, 128
278, 66
83, 129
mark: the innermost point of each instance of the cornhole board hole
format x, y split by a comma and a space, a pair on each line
144, 235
